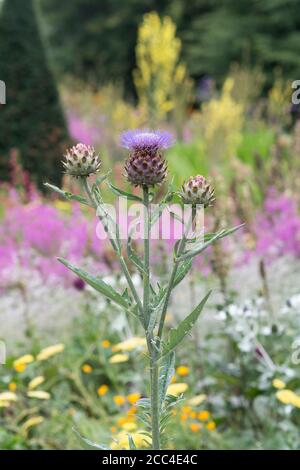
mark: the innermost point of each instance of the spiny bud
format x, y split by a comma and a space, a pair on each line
145, 165
81, 161
197, 190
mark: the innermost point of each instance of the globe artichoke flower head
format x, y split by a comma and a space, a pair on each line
81, 161
145, 165
197, 190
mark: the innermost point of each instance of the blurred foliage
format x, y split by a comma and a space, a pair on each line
87, 38
31, 121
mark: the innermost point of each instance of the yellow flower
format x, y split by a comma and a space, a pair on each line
195, 427
118, 358
20, 367
193, 415
186, 409
33, 421
113, 429
211, 426
102, 390
12, 387
177, 389
286, 396
184, 417
140, 440
119, 400
197, 400
173, 379
130, 344
133, 398
182, 371
21, 363
8, 396
132, 411
203, 415
40, 394
129, 427
105, 344
86, 368
125, 419
50, 351
36, 382
277, 383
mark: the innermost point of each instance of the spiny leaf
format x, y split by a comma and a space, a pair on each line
176, 335
97, 284
182, 271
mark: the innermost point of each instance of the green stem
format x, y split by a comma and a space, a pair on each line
146, 277
154, 368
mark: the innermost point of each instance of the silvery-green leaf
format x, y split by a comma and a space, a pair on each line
134, 258
90, 443
166, 372
67, 195
97, 284
125, 194
176, 335
182, 271
131, 443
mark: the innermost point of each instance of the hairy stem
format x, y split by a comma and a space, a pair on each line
154, 373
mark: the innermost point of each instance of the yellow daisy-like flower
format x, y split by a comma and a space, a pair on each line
31, 422
203, 415
211, 426
8, 396
130, 344
279, 384
86, 368
119, 400
39, 394
195, 427
12, 387
105, 344
113, 429
125, 419
186, 409
118, 358
197, 400
50, 351
20, 367
102, 390
177, 389
132, 411
36, 382
132, 398
182, 371
21, 363
286, 396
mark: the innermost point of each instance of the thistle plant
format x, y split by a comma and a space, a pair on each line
146, 168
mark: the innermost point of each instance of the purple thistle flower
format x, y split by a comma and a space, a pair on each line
152, 141
145, 165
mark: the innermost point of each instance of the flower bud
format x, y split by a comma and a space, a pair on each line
197, 190
81, 161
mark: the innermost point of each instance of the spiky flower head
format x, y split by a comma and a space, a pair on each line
145, 165
197, 190
81, 161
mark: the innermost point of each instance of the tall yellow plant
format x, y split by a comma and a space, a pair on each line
222, 122
159, 73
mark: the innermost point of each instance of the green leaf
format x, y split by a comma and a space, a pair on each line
131, 443
182, 271
90, 443
167, 371
134, 258
155, 312
176, 335
67, 195
206, 244
97, 284
125, 194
